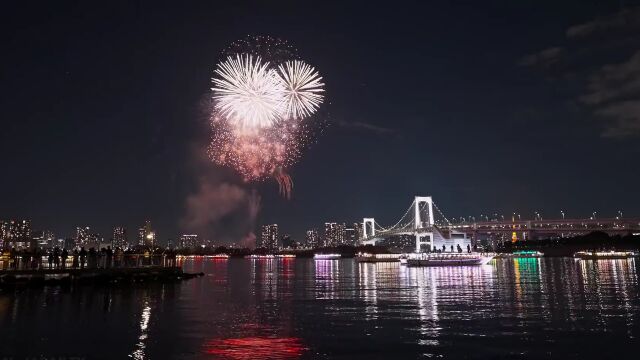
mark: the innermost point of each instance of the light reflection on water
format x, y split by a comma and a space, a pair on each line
302, 308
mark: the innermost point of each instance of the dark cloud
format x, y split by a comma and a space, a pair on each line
611, 87
544, 58
613, 93
625, 20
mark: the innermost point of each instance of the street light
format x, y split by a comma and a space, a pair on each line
594, 215
562, 212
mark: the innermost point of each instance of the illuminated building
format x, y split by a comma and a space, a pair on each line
269, 238
119, 237
188, 241
82, 235
312, 239
39, 241
287, 242
16, 234
352, 235
146, 236
333, 234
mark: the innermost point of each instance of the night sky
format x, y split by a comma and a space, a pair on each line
487, 106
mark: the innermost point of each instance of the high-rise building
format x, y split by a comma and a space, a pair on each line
188, 241
119, 237
287, 242
358, 229
39, 240
312, 239
333, 234
82, 235
15, 234
146, 236
350, 236
50, 238
269, 238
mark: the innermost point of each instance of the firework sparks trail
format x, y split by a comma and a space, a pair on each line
285, 184
302, 86
248, 92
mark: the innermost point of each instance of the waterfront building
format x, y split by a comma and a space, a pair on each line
350, 236
146, 235
287, 242
333, 234
82, 235
269, 237
188, 241
15, 234
312, 238
119, 237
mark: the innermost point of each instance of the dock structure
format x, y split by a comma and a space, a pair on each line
37, 277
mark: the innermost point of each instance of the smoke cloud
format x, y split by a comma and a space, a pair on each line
222, 212
220, 208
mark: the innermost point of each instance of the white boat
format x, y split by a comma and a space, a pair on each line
448, 259
368, 257
594, 255
521, 254
327, 256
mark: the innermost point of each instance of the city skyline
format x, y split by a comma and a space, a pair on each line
512, 115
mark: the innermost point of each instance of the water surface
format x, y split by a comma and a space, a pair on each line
301, 308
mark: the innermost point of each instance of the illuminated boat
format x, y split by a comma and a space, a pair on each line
368, 257
448, 259
254, 256
595, 255
217, 256
286, 256
521, 254
327, 256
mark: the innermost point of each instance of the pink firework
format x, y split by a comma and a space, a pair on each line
256, 155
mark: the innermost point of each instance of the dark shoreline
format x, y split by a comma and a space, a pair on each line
46, 277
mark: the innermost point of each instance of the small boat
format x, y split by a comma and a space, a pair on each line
449, 259
521, 254
254, 256
217, 256
368, 257
327, 256
595, 255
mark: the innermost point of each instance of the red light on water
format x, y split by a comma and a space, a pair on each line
255, 348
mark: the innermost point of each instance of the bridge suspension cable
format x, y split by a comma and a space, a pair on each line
437, 209
395, 226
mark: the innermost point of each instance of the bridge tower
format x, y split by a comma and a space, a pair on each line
420, 205
368, 228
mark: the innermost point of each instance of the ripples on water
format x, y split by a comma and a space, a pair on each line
301, 308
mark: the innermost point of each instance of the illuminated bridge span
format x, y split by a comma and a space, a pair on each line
423, 219
530, 229
432, 230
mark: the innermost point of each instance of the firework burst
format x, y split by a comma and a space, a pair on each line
262, 107
303, 89
248, 92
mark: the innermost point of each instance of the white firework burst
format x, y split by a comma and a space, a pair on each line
303, 89
248, 92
